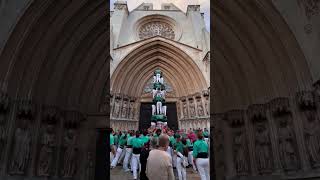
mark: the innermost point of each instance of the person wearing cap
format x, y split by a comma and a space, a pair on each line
201, 157
137, 144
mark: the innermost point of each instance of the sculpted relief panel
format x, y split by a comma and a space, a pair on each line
152, 29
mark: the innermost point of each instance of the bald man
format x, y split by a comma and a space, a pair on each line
159, 163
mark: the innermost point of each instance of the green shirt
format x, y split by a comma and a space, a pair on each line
116, 138
129, 141
205, 133
180, 146
172, 140
189, 144
111, 139
199, 146
137, 142
144, 139
122, 140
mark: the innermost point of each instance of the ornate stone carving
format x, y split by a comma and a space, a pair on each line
263, 149
89, 167
116, 110
69, 154
46, 154
287, 143
156, 28
306, 100
22, 139
312, 137
120, 6
21, 149
240, 151
124, 109
185, 109
131, 109
192, 107
311, 7
200, 108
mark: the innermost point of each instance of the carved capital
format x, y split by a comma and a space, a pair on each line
51, 115
305, 100
193, 8
279, 106
235, 118
26, 109
257, 112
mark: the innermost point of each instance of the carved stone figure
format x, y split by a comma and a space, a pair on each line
288, 155
192, 109
116, 110
185, 110
21, 149
89, 167
200, 108
124, 109
131, 112
312, 137
263, 152
69, 156
240, 153
46, 155
206, 105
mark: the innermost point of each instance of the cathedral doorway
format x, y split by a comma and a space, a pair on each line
145, 115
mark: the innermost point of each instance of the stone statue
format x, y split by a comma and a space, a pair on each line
89, 167
21, 149
46, 156
116, 110
178, 111
131, 112
192, 109
124, 109
206, 105
263, 153
312, 137
240, 153
200, 108
288, 155
185, 110
69, 156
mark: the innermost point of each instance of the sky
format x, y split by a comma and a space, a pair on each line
181, 4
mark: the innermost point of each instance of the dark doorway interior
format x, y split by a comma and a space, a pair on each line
102, 146
146, 112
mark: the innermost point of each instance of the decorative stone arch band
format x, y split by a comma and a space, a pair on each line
161, 19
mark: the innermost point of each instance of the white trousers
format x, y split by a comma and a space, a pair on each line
182, 173
203, 168
159, 105
164, 110
154, 92
158, 77
161, 80
115, 160
123, 153
174, 160
190, 159
153, 109
135, 161
154, 79
111, 157
127, 158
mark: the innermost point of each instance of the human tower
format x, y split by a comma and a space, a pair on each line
159, 108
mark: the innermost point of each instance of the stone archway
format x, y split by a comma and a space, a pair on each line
135, 70
180, 70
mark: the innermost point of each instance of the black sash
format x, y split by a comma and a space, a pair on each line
202, 155
136, 150
129, 146
190, 148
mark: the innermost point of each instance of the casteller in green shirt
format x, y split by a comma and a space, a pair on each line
137, 142
111, 139
199, 146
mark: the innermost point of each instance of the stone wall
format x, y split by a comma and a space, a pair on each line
276, 140
194, 110
41, 141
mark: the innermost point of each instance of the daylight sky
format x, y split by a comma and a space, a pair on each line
182, 4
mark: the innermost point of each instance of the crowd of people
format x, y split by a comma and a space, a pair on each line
154, 154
